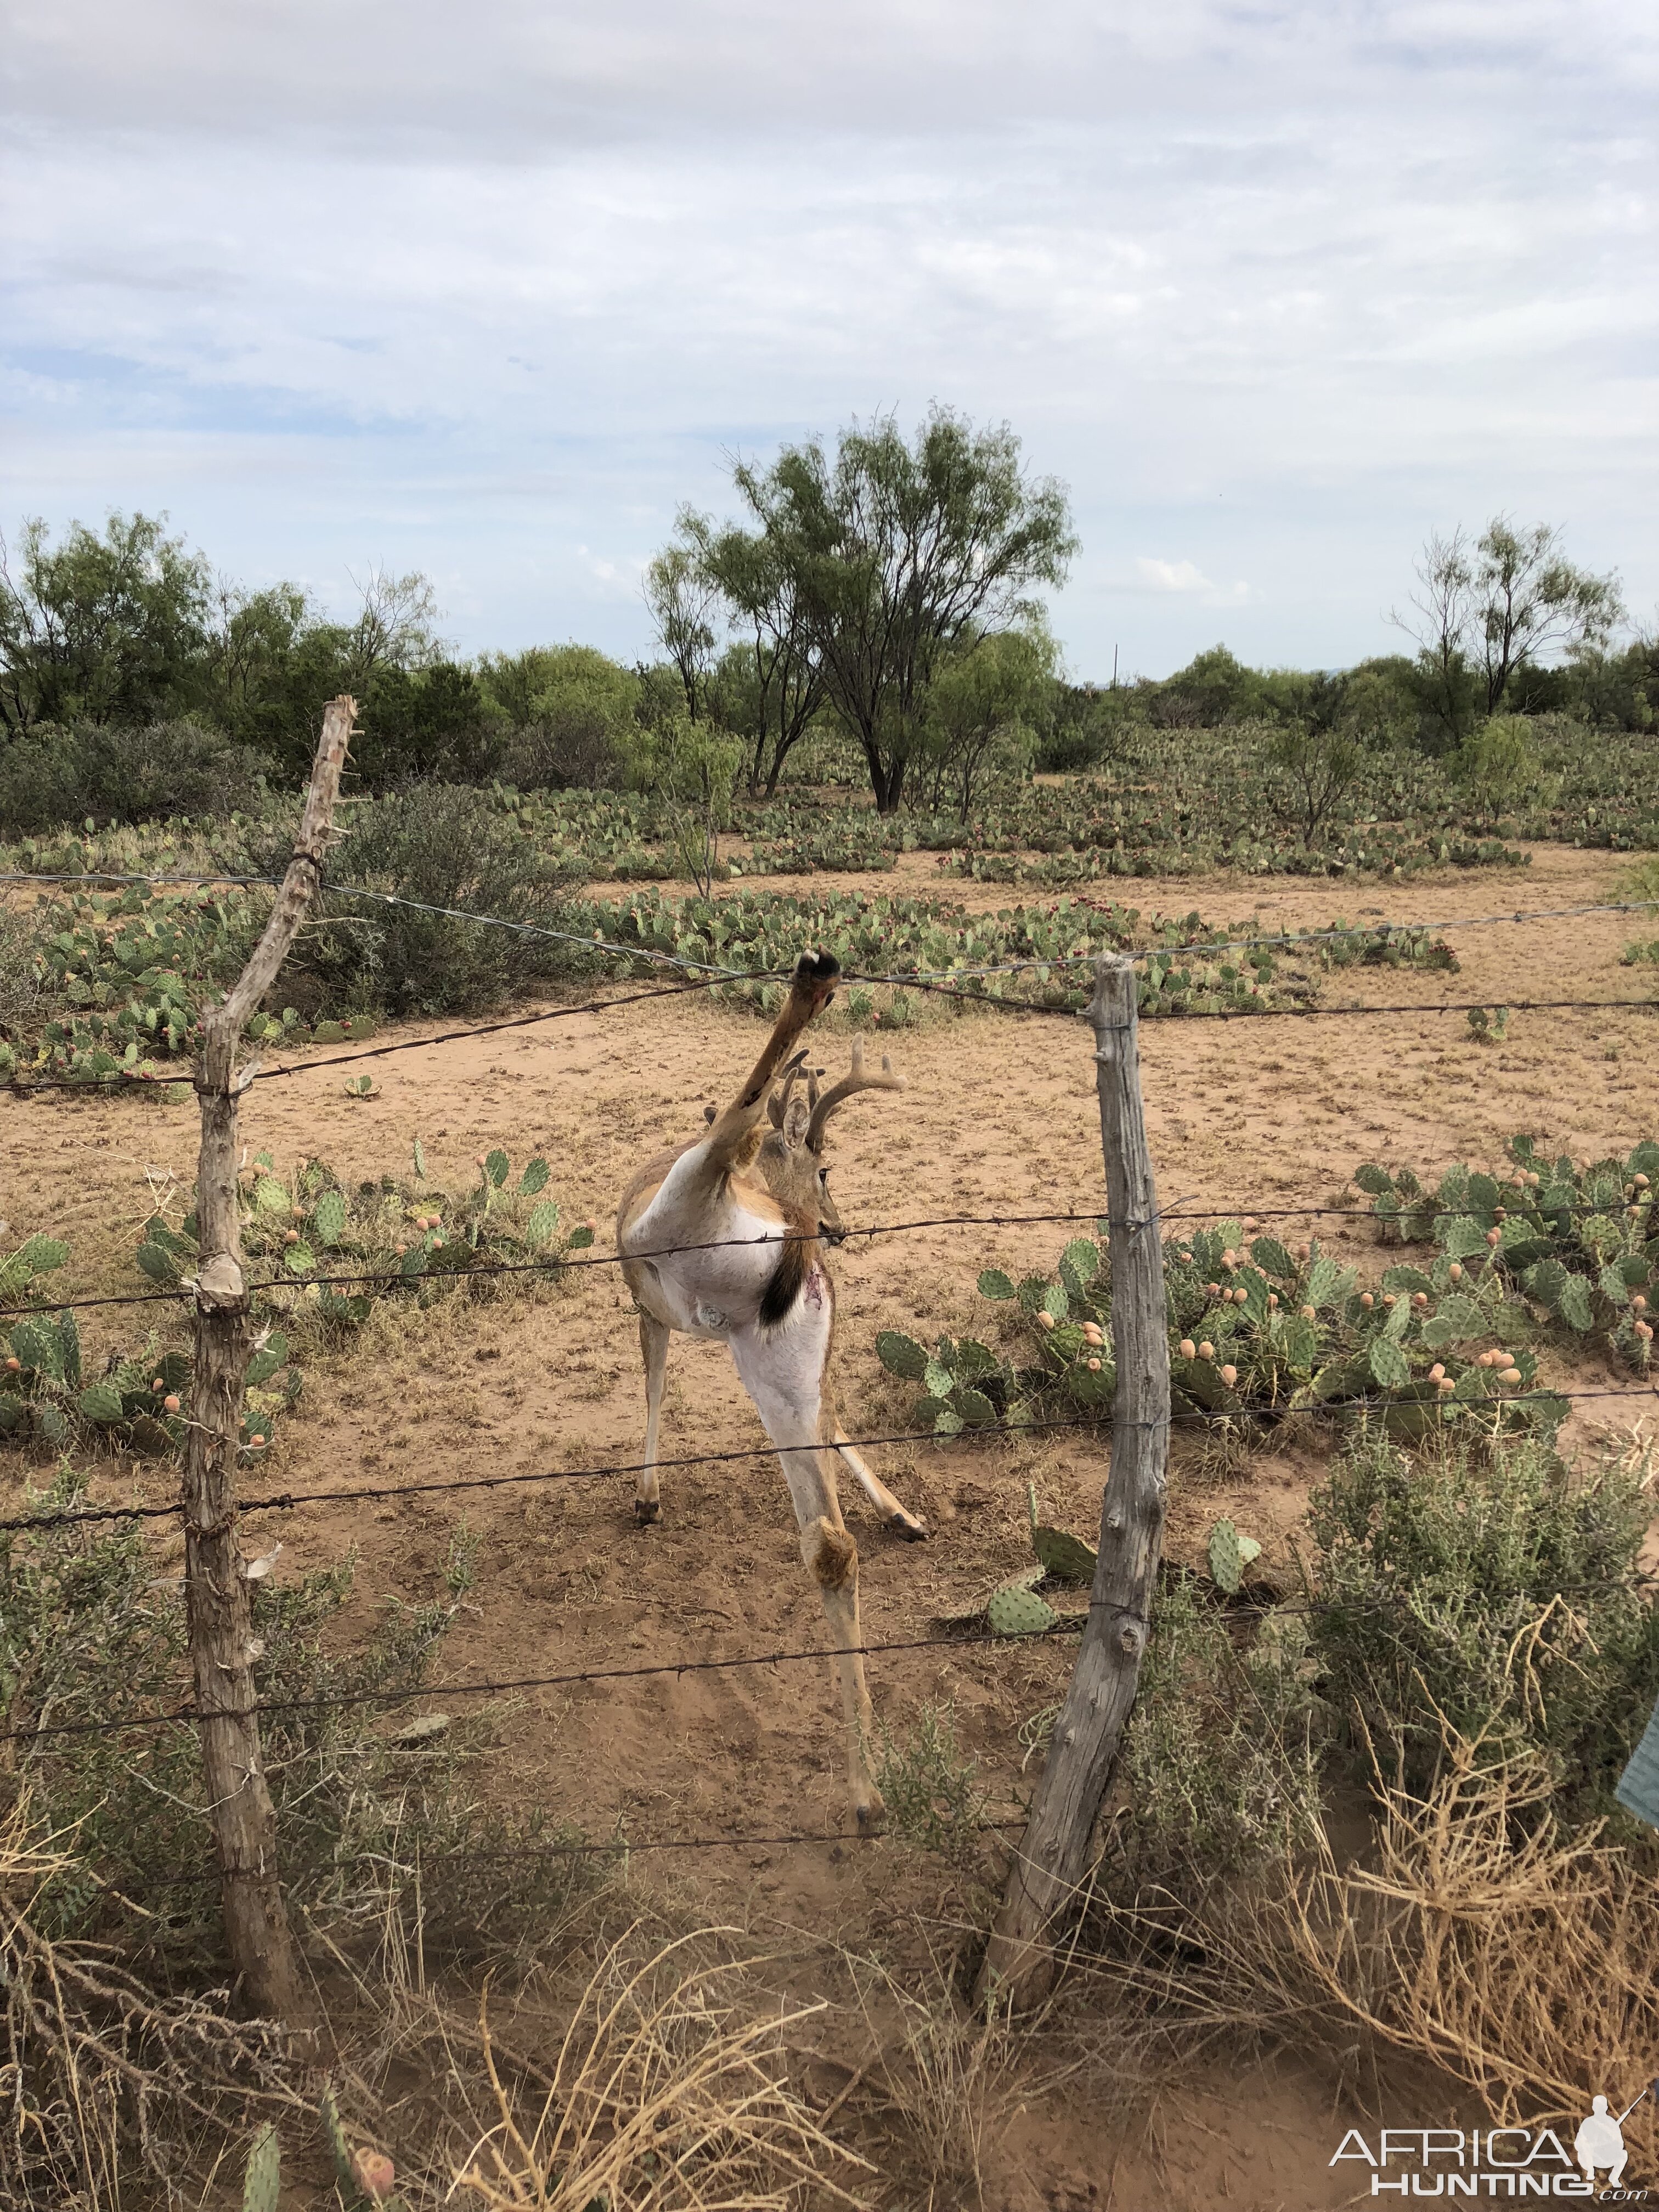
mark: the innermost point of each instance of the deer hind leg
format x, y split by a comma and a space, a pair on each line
898, 1517
793, 1421
654, 1349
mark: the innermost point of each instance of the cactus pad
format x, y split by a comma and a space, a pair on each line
1017, 1610
1229, 1554
102, 1401
900, 1355
262, 2185
1062, 1555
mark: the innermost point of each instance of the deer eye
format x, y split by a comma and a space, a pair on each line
823, 1175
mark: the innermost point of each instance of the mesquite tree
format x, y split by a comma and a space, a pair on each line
900, 555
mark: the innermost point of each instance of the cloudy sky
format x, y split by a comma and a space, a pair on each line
489, 288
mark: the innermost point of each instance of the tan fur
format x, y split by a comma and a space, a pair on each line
834, 1557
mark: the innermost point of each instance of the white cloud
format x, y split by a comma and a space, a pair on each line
1188, 578
1173, 575
481, 290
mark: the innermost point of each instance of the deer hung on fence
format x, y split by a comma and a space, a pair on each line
758, 1177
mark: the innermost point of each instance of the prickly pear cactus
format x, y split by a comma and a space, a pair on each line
102, 1401
1066, 1557
339, 2149
1229, 1554
262, 2185
1015, 1609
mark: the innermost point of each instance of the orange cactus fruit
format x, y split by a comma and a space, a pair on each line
1230, 1375
1094, 1367
1207, 1350
170, 1403
1188, 1349
1045, 1321
374, 2174
1456, 1272
1367, 1300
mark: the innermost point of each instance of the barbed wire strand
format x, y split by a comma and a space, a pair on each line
1383, 927
339, 1701
962, 1637
289, 1501
1182, 1212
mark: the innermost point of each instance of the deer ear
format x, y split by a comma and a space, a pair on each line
797, 1122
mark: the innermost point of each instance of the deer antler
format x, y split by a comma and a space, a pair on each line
839, 1093
778, 1104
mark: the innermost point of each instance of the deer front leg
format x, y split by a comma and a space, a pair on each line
654, 1349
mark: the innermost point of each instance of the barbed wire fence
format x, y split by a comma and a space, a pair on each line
954, 983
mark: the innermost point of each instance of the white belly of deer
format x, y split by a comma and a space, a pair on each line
712, 1293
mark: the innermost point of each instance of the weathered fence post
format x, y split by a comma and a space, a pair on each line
1019, 1963
215, 1586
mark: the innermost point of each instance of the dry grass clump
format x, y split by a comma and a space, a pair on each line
669, 2092
102, 2074
954, 2080
1475, 1935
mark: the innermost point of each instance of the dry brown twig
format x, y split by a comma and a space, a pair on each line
667, 2094
1517, 1961
98, 2065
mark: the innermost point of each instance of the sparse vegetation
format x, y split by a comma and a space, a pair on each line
1367, 1802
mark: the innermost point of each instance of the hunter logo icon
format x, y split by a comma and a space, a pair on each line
1599, 2142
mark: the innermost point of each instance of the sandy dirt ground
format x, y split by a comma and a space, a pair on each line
998, 1117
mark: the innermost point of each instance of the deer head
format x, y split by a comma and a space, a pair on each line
792, 1154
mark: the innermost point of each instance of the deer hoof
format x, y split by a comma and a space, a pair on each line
913, 1531
646, 1511
871, 1818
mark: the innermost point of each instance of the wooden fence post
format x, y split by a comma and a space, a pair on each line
217, 1604
1019, 1964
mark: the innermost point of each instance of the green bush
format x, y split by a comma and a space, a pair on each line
88, 1634
56, 776
403, 1234
119, 977
1255, 1330
1492, 1587
1223, 1753
445, 845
